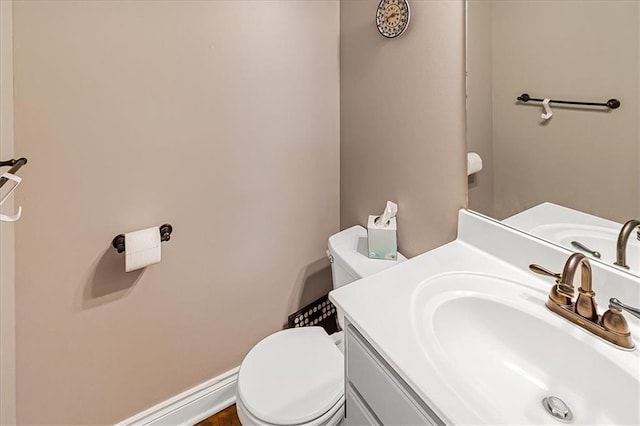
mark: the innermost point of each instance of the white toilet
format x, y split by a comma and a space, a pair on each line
296, 376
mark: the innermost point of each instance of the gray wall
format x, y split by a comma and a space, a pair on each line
7, 247
221, 118
137, 113
480, 103
584, 159
402, 120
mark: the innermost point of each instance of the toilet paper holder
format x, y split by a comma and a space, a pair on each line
165, 235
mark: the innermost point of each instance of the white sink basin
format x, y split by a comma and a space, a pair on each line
600, 239
502, 351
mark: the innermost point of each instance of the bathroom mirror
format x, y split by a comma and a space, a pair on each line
584, 160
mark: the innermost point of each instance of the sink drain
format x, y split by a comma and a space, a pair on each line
557, 408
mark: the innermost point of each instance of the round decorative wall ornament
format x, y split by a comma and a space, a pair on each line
392, 17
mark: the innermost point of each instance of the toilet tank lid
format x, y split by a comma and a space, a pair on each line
350, 248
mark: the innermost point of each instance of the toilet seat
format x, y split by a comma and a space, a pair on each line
292, 377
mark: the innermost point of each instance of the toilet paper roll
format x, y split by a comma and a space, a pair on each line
474, 163
142, 248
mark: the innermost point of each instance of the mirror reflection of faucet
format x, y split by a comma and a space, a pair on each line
611, 326
580, 246
615, 244
623, 239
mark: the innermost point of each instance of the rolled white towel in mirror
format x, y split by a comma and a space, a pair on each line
474, 163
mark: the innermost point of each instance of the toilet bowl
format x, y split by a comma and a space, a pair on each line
332, 417
292, 377
296, 376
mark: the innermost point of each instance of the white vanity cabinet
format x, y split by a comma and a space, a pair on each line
375, 394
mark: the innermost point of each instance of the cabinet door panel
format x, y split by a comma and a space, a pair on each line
378, 386
358, 413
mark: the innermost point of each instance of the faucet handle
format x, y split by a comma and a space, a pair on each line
613, 320
616, 304
544, 271
564, 291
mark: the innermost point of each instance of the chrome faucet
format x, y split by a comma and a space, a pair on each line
611, 326
623, 238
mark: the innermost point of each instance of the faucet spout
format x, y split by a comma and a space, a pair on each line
623, 239
571, 267
585, 303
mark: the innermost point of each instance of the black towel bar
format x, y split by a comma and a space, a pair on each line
611, 103
15, 166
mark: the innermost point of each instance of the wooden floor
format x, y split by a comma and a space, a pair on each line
227, 417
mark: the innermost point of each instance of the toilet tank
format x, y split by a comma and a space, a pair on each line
348, 253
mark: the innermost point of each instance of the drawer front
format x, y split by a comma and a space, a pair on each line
358, 413
383, 390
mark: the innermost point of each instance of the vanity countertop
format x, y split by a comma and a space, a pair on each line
383, 308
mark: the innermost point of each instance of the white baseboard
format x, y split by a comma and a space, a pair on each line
191, 406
